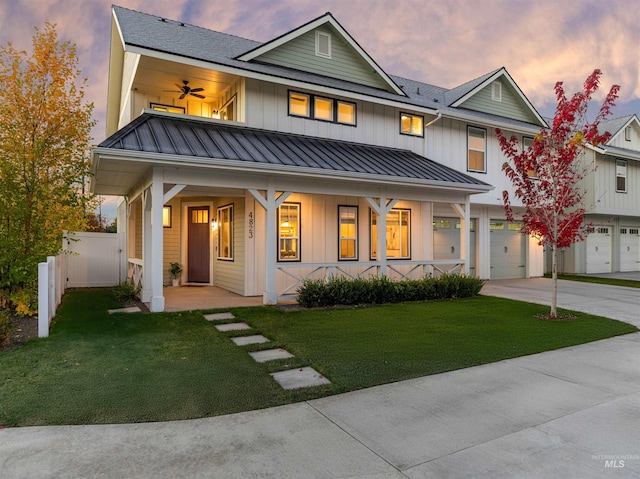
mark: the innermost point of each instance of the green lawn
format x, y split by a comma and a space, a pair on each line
96, 368
598, 280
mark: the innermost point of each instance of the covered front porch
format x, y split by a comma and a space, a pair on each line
272, 210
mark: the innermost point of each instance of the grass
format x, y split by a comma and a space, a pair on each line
96, 368
598, 280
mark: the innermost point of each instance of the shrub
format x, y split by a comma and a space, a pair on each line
318, 293
127, 292
6, 326
24, 301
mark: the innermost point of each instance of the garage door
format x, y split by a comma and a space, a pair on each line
629, 248
446, 241
507, 250
599, 250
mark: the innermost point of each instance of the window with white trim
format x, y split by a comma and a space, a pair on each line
323, 44
627, 133
477, 149
621, 176
225, 232
398, 234
411, 124
289, 232
348, 231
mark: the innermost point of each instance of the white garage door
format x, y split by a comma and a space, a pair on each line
446, 241
629, 248
507, 250
599, 250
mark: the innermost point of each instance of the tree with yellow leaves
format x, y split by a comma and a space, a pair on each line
45, 125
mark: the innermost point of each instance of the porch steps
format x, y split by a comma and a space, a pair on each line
297, 378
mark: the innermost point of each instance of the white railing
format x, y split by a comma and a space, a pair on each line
51, 286
134, 271
292, 275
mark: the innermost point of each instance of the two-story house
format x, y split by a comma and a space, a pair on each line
256, 165
613, 204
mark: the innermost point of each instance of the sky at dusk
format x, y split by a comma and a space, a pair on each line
441, 42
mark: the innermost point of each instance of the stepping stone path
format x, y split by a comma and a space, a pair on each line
288, 379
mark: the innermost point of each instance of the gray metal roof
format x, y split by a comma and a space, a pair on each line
613, 125
453, 95
167, 134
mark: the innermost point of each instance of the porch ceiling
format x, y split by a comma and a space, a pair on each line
123, 159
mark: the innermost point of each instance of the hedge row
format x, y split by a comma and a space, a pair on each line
314, 293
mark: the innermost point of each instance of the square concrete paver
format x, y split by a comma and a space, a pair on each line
254, 339
132, 309
270, 355
232, 327
300, 378
218, 316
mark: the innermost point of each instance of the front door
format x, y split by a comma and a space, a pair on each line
198, 245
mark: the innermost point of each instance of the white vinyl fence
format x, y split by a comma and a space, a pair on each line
87, 260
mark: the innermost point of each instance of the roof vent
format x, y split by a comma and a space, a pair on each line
435, 100
418, 90
181, 24
163, 20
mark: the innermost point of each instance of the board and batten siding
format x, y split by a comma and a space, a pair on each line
610, 201
620, 142
230, 274
511, 105
345, 62
267, 108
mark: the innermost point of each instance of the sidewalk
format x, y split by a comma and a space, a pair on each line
570, 413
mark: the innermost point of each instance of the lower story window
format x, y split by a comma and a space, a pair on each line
225, 232
398, 234
289, 232
348, 217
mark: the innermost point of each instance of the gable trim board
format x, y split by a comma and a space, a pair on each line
327, 18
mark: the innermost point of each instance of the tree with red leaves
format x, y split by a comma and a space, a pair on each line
547, 175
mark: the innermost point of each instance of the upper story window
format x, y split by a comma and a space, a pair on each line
621, 176
323, 44
411, 124
496, 91
476, 149
167, 108
322, 108
627, 133
527, 142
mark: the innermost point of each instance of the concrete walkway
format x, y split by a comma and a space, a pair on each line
570, 413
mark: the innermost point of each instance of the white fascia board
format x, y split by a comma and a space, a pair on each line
470, 118
327, 18
633, 119
502, 73
279, 80
284, 170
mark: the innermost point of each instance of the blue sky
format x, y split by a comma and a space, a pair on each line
445, 43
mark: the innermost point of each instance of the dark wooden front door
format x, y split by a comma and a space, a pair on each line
198, 245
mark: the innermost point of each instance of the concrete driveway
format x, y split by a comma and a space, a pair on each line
614, 302
569, 413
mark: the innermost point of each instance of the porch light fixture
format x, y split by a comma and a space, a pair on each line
214, 224
215, 115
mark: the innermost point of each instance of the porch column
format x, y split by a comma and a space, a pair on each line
465, 241
270, 203
381, 208
147, 264
157, 237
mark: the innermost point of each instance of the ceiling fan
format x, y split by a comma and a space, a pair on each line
185, 89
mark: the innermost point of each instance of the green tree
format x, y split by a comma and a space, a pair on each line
45, 125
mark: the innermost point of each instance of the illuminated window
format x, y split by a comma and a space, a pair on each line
526, 144
348, 218
225, 232
323, 109
346, 113
199, 216
167, 108
398, 235
621, 176
299, 104
228, 111
411, 124
289, 232
166, 216
477, 148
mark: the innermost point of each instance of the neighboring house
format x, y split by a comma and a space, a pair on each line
256, 165
613, 204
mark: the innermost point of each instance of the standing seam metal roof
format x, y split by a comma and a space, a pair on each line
160, 133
